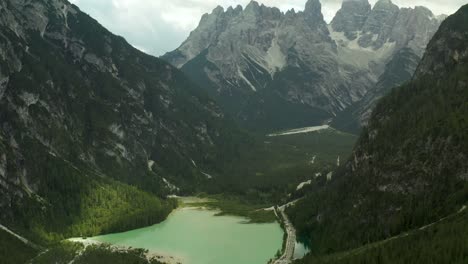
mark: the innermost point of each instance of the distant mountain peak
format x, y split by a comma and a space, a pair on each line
252, 5
351, 17
217, 10
384, 4
388, 2
296, 56
313, 9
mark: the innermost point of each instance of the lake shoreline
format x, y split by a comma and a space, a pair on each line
188, 203
194, 234
150, 254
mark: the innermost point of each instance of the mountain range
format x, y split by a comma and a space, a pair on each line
273, 70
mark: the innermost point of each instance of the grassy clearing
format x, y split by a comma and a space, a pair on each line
267, 172
235, 206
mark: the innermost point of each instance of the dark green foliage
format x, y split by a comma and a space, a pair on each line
272, 167
444, 242
13, 251
61, 253
66, 252
103, 254
79, 203
238, 206
419, 153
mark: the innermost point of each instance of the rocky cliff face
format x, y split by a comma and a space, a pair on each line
409, 167
273, 70
416, 142
411, 30
72, 92
351, 18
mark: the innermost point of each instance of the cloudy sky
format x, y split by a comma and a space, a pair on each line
159, 26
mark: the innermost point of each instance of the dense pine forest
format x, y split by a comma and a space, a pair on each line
442, 242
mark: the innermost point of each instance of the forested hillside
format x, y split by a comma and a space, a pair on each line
442, 242
410, 166
86, 119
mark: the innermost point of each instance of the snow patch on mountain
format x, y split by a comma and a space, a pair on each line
352, 53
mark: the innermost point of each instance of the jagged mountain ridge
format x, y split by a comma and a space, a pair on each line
274, 70
411, 32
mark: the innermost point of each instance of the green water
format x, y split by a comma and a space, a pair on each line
198, 237
300, 250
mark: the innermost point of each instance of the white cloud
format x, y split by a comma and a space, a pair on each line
158, 26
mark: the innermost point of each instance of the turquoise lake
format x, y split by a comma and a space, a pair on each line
197, 236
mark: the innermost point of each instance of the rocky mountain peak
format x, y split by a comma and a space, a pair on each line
351, 17
253, 6
260, 10
313, 7
313, 11
218, 10
260, 49
424, 10
383, 14
379, 24
234, 11
384, 2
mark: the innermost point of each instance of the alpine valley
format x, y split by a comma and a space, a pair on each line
264, 132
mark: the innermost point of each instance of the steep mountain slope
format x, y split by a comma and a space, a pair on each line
81, 108
410, 166
274, 70
411, 32
442, 242
398, 70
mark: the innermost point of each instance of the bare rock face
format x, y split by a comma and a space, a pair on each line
379, 24
405, 36
313, 13
273, 70
351, 18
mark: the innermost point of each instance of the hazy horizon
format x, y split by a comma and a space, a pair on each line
157, 27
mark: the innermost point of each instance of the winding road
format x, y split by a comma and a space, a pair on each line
288, 254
